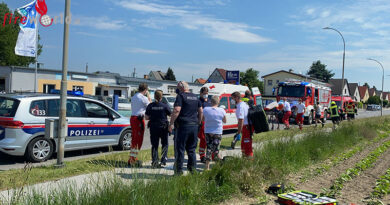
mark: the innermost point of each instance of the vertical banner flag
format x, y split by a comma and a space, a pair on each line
26, 45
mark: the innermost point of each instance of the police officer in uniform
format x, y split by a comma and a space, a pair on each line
187, 115
157, 113
204, 91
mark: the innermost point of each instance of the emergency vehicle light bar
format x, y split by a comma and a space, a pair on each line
69, 92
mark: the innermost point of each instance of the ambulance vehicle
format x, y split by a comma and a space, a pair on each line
224, 92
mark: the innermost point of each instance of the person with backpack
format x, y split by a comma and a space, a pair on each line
213, 117
157, 113
243, 126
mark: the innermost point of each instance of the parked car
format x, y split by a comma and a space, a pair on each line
373, 107
169, 100
91, 124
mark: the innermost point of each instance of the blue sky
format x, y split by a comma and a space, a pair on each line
194, 36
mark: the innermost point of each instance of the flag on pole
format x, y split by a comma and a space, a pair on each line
26, 45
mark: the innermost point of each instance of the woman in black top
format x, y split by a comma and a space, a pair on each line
157, 113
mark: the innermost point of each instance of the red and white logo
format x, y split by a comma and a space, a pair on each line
41, 8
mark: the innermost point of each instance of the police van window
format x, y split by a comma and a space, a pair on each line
38, 108
95, 110
224, 102
74, 108
52, 108
8, 107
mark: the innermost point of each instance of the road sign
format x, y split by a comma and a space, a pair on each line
233, 76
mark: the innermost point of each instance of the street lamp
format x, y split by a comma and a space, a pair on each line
383, 78
342, 83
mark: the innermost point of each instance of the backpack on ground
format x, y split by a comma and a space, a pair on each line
258, 119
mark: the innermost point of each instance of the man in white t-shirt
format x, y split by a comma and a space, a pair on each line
139, 102
301, 108
243, 125
214, 117
287, 113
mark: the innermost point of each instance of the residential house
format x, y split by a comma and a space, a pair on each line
200, 81
157, 75
371, 92
355, 94
272, 80
378, 93
337, 89
217, 76
363, 91
386, 96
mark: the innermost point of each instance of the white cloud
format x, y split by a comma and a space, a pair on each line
193, 20
102, 23
143, 51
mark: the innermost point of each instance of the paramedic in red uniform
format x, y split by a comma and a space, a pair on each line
204, 91
243, 127
139, 102
287, 113
300, 112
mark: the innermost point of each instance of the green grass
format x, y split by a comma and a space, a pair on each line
31, 175
235, 177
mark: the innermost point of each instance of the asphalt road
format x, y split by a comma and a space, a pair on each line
11, 162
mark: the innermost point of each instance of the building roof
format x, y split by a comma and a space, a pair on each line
371, 92
353, 87
222, 72
158, 75
200, 81
378, 93
362, 91
336, 86
296, 74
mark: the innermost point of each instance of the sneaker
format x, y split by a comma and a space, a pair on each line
163, 163
156, 166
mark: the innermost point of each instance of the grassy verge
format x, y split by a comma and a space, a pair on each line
237, 176
32, 175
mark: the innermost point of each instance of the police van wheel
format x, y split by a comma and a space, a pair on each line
125, 140
39, 149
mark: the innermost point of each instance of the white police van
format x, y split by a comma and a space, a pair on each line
91, 124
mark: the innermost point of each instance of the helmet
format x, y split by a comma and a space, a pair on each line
333, 103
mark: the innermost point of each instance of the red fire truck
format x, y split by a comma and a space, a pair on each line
310, 93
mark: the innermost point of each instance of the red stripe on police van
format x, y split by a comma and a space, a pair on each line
6, 118
87, 125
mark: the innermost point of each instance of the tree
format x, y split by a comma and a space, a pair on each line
250, 78
374, 100
366, 85
8, 36
385, 103
319, 71
170, 75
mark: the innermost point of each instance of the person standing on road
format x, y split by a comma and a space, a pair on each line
243, 126
214, 117
318, 110
334, 114
187, 115
204, 91
157, 113
139, 102
301, 108
287, 113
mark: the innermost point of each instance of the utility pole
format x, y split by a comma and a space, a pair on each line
63, 125
86, 68
383, 80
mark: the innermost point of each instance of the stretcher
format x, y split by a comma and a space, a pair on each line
304, 197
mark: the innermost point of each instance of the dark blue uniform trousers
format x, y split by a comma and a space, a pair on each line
157, 133
186, 139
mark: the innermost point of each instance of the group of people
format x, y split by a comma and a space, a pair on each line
336, 113
191, 118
